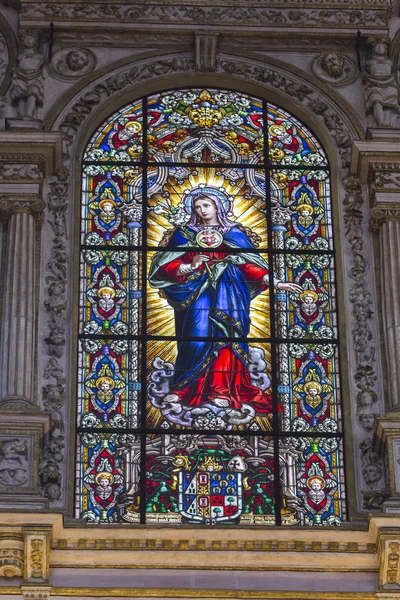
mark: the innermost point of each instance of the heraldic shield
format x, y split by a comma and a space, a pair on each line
210, 494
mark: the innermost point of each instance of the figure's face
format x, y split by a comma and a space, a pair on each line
316, 486
305, 213
103, 482
77, 60
125, 134
312, 391
106, 296
107, 208
105, 386
205, 209
283, 136
308, 299
334, 64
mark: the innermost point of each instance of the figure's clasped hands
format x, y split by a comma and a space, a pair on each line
198, 260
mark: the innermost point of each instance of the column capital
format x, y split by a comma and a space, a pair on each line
12, 204
382, 214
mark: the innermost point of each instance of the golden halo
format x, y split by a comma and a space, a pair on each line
308, 207
317, 478
276, 126
104, 475
110, 290
100, 380
106, 201
312, 384
309, 293
135, 126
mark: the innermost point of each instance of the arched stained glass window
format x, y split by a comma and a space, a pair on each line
208, 370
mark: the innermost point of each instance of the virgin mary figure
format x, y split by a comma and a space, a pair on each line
210, 292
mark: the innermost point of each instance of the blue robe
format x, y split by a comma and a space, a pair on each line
217, 307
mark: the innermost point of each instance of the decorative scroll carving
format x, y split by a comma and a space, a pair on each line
55, 305
334, 68
20, 172
365, 375
393, 563
4, 58
238, 15
36, 558
381, 92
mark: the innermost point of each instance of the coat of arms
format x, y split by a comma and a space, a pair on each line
210, 493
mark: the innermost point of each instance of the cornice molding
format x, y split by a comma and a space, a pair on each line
327, 15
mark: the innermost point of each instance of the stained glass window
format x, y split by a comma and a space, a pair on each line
208, 368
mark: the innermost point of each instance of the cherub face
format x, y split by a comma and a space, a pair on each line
316, 485
305, 213
106, 295
105, 386
308, 299
312, 391
104, 482
107, 208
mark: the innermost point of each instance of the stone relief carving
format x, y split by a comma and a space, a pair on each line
71, 63
53, 393
387, 180
4, 58
334, 68
203, 15
18, 172
363, 345
14, 462
360, 297
393, 563
381, 92
27, 82
36, 558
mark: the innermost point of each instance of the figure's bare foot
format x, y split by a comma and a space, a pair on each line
173, 398
221, 402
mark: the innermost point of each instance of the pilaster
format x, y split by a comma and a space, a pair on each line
25, 160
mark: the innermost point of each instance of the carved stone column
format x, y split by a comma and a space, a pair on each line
377, 161
385, 221
18, 327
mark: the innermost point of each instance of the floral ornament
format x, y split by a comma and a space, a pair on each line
175, 215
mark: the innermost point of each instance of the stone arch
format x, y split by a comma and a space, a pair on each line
324, 111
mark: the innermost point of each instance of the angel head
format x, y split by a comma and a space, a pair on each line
105, 384
316, 483
279, 131
104, 479
309, 297
312, 388
107, 206
106, 293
